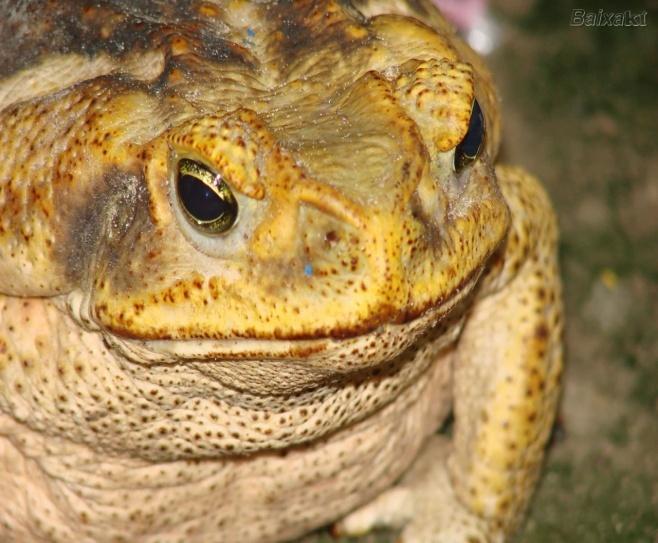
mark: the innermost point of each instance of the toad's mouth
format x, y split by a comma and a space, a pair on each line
389, 339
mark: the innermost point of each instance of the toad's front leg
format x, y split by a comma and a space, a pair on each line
507, 373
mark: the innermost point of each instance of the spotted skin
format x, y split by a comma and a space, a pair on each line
160, 385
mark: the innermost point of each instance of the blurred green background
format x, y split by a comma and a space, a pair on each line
580, 109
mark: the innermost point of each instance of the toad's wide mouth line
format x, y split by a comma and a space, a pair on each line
155, 351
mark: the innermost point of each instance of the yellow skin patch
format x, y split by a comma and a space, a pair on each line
161, 384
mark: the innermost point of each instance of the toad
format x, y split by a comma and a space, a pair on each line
253, 255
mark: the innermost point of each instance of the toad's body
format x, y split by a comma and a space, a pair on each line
160, 382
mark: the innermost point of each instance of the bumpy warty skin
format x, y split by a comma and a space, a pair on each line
158, 384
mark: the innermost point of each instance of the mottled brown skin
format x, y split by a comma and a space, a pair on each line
158, 384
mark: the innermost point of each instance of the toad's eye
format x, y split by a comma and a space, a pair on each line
205, 197
469, 147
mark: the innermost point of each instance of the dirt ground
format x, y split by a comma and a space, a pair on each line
581, 111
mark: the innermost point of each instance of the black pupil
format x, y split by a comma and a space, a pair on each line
199, 200
468, 148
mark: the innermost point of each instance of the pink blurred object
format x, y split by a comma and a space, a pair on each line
464, 14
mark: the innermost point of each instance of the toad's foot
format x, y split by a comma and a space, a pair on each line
423, 505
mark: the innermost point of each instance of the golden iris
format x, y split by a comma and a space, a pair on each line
205, 197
